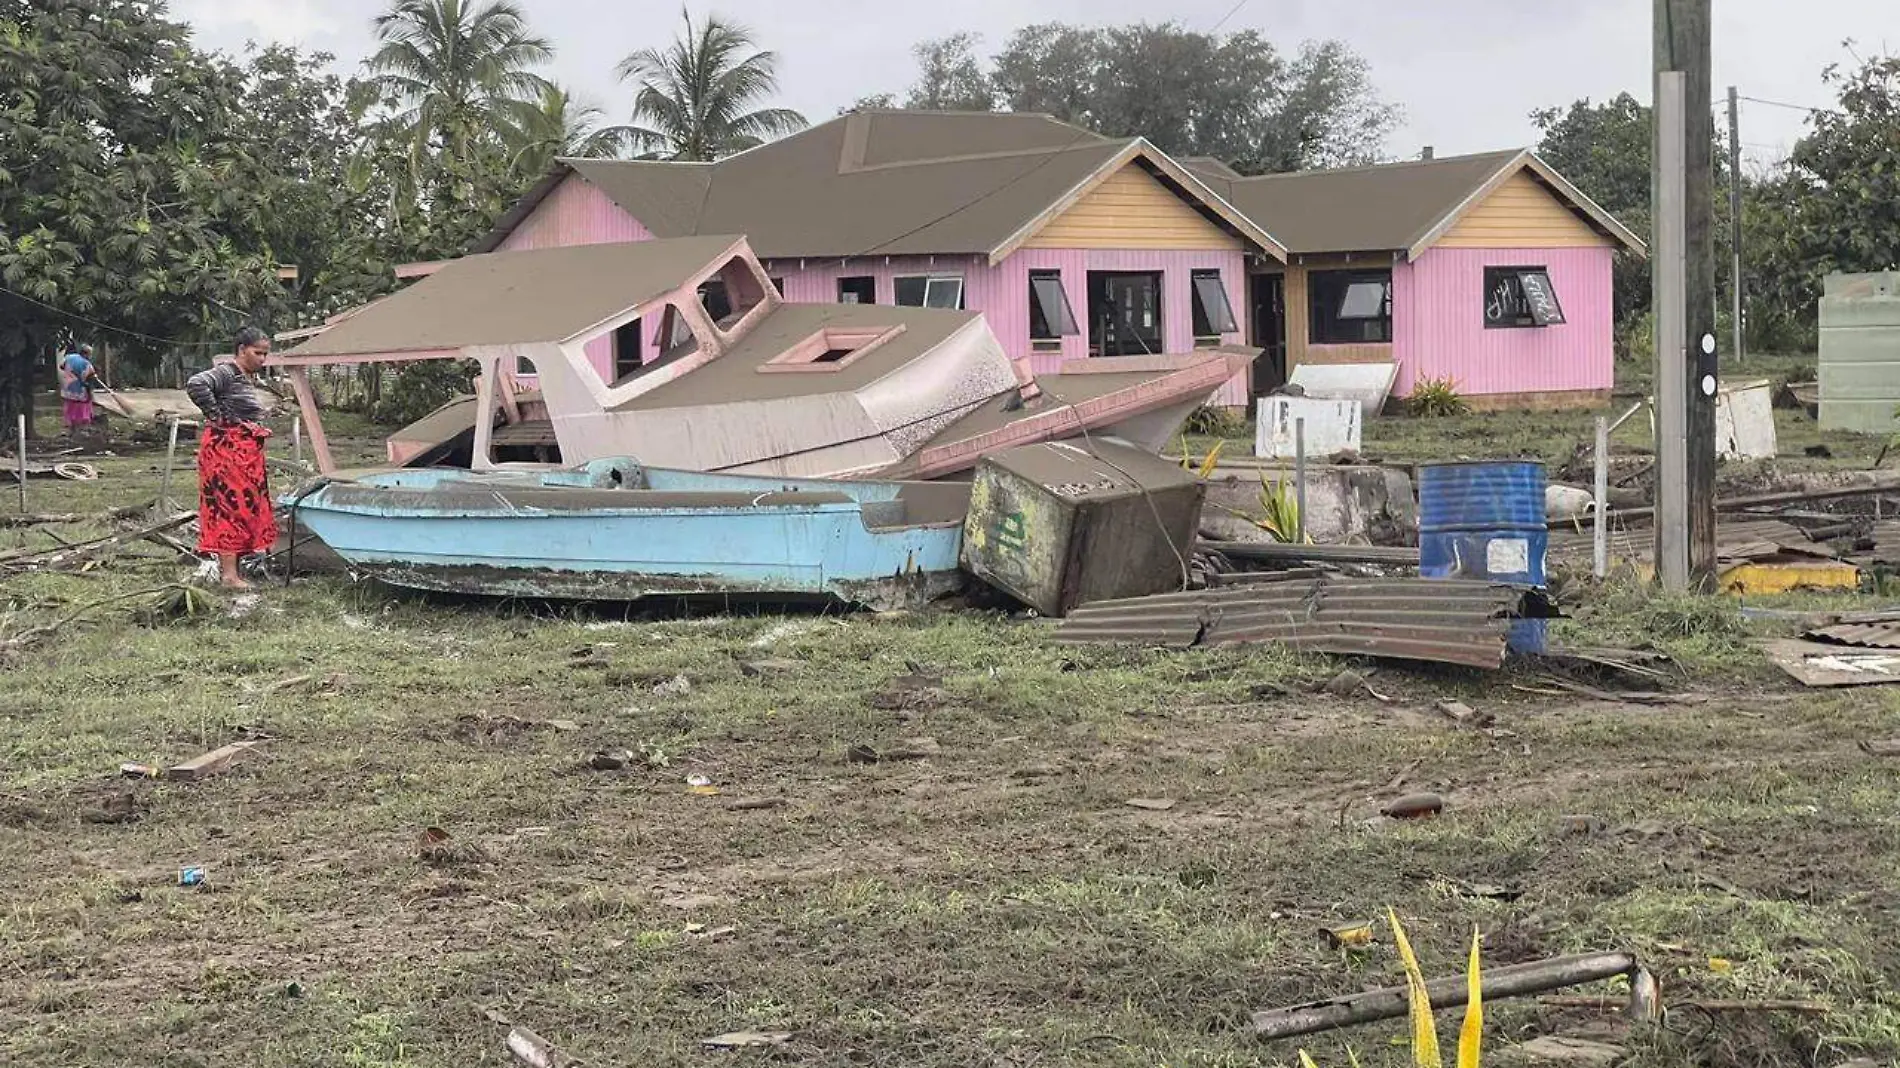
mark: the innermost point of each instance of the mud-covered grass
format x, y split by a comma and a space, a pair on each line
996, 902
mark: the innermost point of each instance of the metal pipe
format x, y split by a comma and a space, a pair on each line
165, 480
1299, 479
1602, 498
22, 463
1392, 1002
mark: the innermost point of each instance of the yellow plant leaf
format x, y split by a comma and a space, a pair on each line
1721, 966
1352, 1058
1424, 1033
1471, 1035
1211, 460
1306, 1060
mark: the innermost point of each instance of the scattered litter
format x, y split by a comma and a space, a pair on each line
209, 764
533, 1050
677, 686
191, 875
433, 844
1888, 747
756, 804
744, 1039
696, 779
1036, 771
1567, 1050
140, 771
1581, 826
914, 749
1152, 804
769, 668
701, 785
1721, 966
1818, 665
710, 934
861, 754
778, 632
1349, 936
1414, 806
1346, 684
614, 761
915, 692
1466, 716
565, 726
694, 902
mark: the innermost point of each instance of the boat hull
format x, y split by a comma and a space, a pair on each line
702, 536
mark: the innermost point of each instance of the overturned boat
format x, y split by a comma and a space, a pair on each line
614, 530
683, 354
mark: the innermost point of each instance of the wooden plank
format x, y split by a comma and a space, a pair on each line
209, 764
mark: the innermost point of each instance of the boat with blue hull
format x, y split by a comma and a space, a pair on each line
614, 530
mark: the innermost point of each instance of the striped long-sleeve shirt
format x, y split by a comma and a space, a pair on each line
226, 395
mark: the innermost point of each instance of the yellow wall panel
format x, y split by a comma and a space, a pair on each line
1521, 213
1132, 209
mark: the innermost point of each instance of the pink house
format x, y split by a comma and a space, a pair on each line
1071, 245
1489, 271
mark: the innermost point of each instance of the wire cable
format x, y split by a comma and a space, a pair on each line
1790, 107
97, 325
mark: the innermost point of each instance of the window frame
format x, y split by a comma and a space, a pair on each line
1346, 278
847, 278
1531, 317
929, 282
1198, 312
632, 328
1066, 326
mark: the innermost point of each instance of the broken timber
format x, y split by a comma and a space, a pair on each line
209, 764
1287, 552
1513, 980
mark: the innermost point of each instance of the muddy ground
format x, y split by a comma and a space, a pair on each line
982, 894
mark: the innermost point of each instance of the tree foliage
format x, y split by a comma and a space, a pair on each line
697, 99
457, 76
1233, 97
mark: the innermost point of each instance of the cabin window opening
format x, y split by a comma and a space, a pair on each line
1520, 297
778, 284
928, 291
1213, 313
1051, 318
717, 302
627, 356
858, 289
730, 295
529, 440
676, 335
831, 349
1350, 307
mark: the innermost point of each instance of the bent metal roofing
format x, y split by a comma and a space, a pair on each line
886, 183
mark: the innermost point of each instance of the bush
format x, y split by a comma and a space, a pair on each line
1211, 422
421, 387
1435, 397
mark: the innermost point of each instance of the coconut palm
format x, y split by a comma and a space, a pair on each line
695, 99
456, 72
559, 125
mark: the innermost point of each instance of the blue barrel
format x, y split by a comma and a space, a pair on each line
1485, 520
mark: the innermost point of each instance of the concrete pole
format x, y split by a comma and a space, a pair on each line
1739, 346
1672, 461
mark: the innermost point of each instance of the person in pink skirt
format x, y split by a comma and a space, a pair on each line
76, 376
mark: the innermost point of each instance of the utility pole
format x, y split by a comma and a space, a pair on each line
1682, 198
1739, 347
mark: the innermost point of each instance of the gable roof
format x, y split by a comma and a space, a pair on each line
518, 298
1401, 207
887, 183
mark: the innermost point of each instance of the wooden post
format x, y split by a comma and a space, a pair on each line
296, 438
1299, 480
164, 504
29, 397
1739, 345
1672, 465
307, 402
1602, 557
1682, 45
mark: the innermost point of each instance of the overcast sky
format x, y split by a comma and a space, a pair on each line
1467, 72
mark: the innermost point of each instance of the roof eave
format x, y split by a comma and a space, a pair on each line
524, 207
1526, 159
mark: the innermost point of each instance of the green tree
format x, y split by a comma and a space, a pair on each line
559, 125
1604, 150
950, 76
455, 75
697, 98
128, 194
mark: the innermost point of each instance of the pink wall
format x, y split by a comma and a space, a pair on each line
1438, 326
578, 213
1001, 293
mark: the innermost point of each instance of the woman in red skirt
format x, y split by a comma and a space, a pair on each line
234, 509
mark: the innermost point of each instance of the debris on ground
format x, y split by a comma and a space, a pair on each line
1349, 936
1464, 715
769, 668
610, 761
208, 764
677, 686
1451, 621
916, 692
1823, 665
1886, 747
1414, 806
1152, 804
533, 1050
913, 749
747, 1039
756, 804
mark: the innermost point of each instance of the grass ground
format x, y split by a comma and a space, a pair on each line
998, 903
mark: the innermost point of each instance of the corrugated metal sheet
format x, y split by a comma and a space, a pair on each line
1860, 351
1576, 549
1870, 630
1447, 622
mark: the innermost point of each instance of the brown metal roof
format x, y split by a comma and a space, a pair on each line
1451, 622
1391, 206
885, 183
513, 298
1870, 630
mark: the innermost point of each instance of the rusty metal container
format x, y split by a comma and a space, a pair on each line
1065, 523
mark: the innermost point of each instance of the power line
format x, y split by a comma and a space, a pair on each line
1230, 14
97, 325
1791, 107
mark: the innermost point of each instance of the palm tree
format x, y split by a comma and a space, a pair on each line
456, 72
694, 98
559, 125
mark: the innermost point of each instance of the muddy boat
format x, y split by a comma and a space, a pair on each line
614, 530
682, 353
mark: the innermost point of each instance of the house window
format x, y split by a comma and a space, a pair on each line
1124, 313
627, 351
1350, 307
830, 349
714, 297
858, 289
1213, 315
1050, 318
1520, 296
923, 291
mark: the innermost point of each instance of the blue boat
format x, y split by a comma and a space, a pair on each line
614, 530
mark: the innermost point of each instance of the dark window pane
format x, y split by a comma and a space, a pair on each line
1050, 316
1520, 297
714, 298
944, 293
910, 291
1213, 314
627, 350
857, 290
1350, 307
1541, 297
779, 285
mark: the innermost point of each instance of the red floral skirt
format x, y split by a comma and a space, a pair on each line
234, 509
